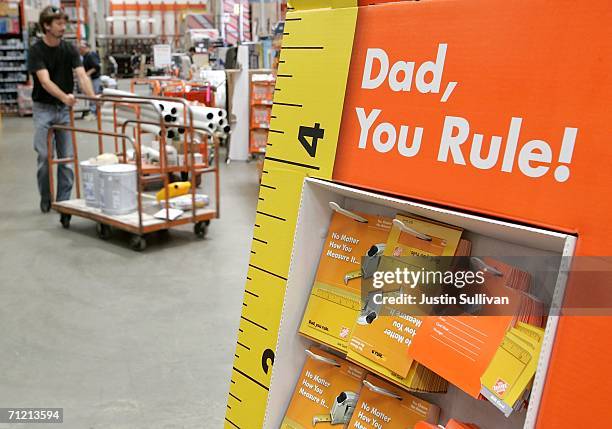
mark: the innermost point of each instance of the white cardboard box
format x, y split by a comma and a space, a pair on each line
489, 237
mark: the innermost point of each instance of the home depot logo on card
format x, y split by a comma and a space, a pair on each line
500, 387
344, 332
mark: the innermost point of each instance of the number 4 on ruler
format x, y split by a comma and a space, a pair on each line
315, 133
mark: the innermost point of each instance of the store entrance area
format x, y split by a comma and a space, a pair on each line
121, 339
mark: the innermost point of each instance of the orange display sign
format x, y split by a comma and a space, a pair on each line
496, 121
500, 109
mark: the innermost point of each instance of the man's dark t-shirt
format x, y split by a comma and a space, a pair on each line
91, 60
59, 61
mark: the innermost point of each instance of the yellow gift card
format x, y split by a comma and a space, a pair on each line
326, 393
335, 300
513, 367
535, 336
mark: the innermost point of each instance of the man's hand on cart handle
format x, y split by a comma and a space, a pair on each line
69, 100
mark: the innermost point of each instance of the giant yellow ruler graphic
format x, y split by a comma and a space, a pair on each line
305, 124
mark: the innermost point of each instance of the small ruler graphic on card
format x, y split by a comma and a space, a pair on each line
303, 135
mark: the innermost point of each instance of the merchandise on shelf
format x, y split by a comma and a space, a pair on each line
335, 299
378, 339
13, 69
384, 406
326, 392
508, 376
452, 424
261, 95
24, 99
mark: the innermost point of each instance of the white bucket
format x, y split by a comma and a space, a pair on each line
118, 189
90, 181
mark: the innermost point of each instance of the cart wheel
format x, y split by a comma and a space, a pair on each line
65, 220
201, 228
104, 231
138, 243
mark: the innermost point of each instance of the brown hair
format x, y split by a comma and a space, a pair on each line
48, 15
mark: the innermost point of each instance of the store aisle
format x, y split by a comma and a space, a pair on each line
119, 339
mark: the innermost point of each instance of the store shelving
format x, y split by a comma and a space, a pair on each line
78, 22
13, 68
261, 93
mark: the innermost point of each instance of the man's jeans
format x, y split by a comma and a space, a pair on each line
97, 87
46, 115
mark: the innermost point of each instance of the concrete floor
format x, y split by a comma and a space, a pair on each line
117, 338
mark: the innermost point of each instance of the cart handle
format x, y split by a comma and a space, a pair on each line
144, 99
113, 99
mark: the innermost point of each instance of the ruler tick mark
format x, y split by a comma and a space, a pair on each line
254, 323
263, 185
261, 241
292, 19
284, 75
246, 347
268, 272
251, 293
250, 378
299, 164
276, 131
232, 423
272, 216
302, 47
278, 103
235, 397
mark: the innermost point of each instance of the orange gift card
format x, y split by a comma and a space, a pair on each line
326, 392
452, 424
335, 300
460, 348
384, 406
386, 337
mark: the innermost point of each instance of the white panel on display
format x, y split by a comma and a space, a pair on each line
239, 143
